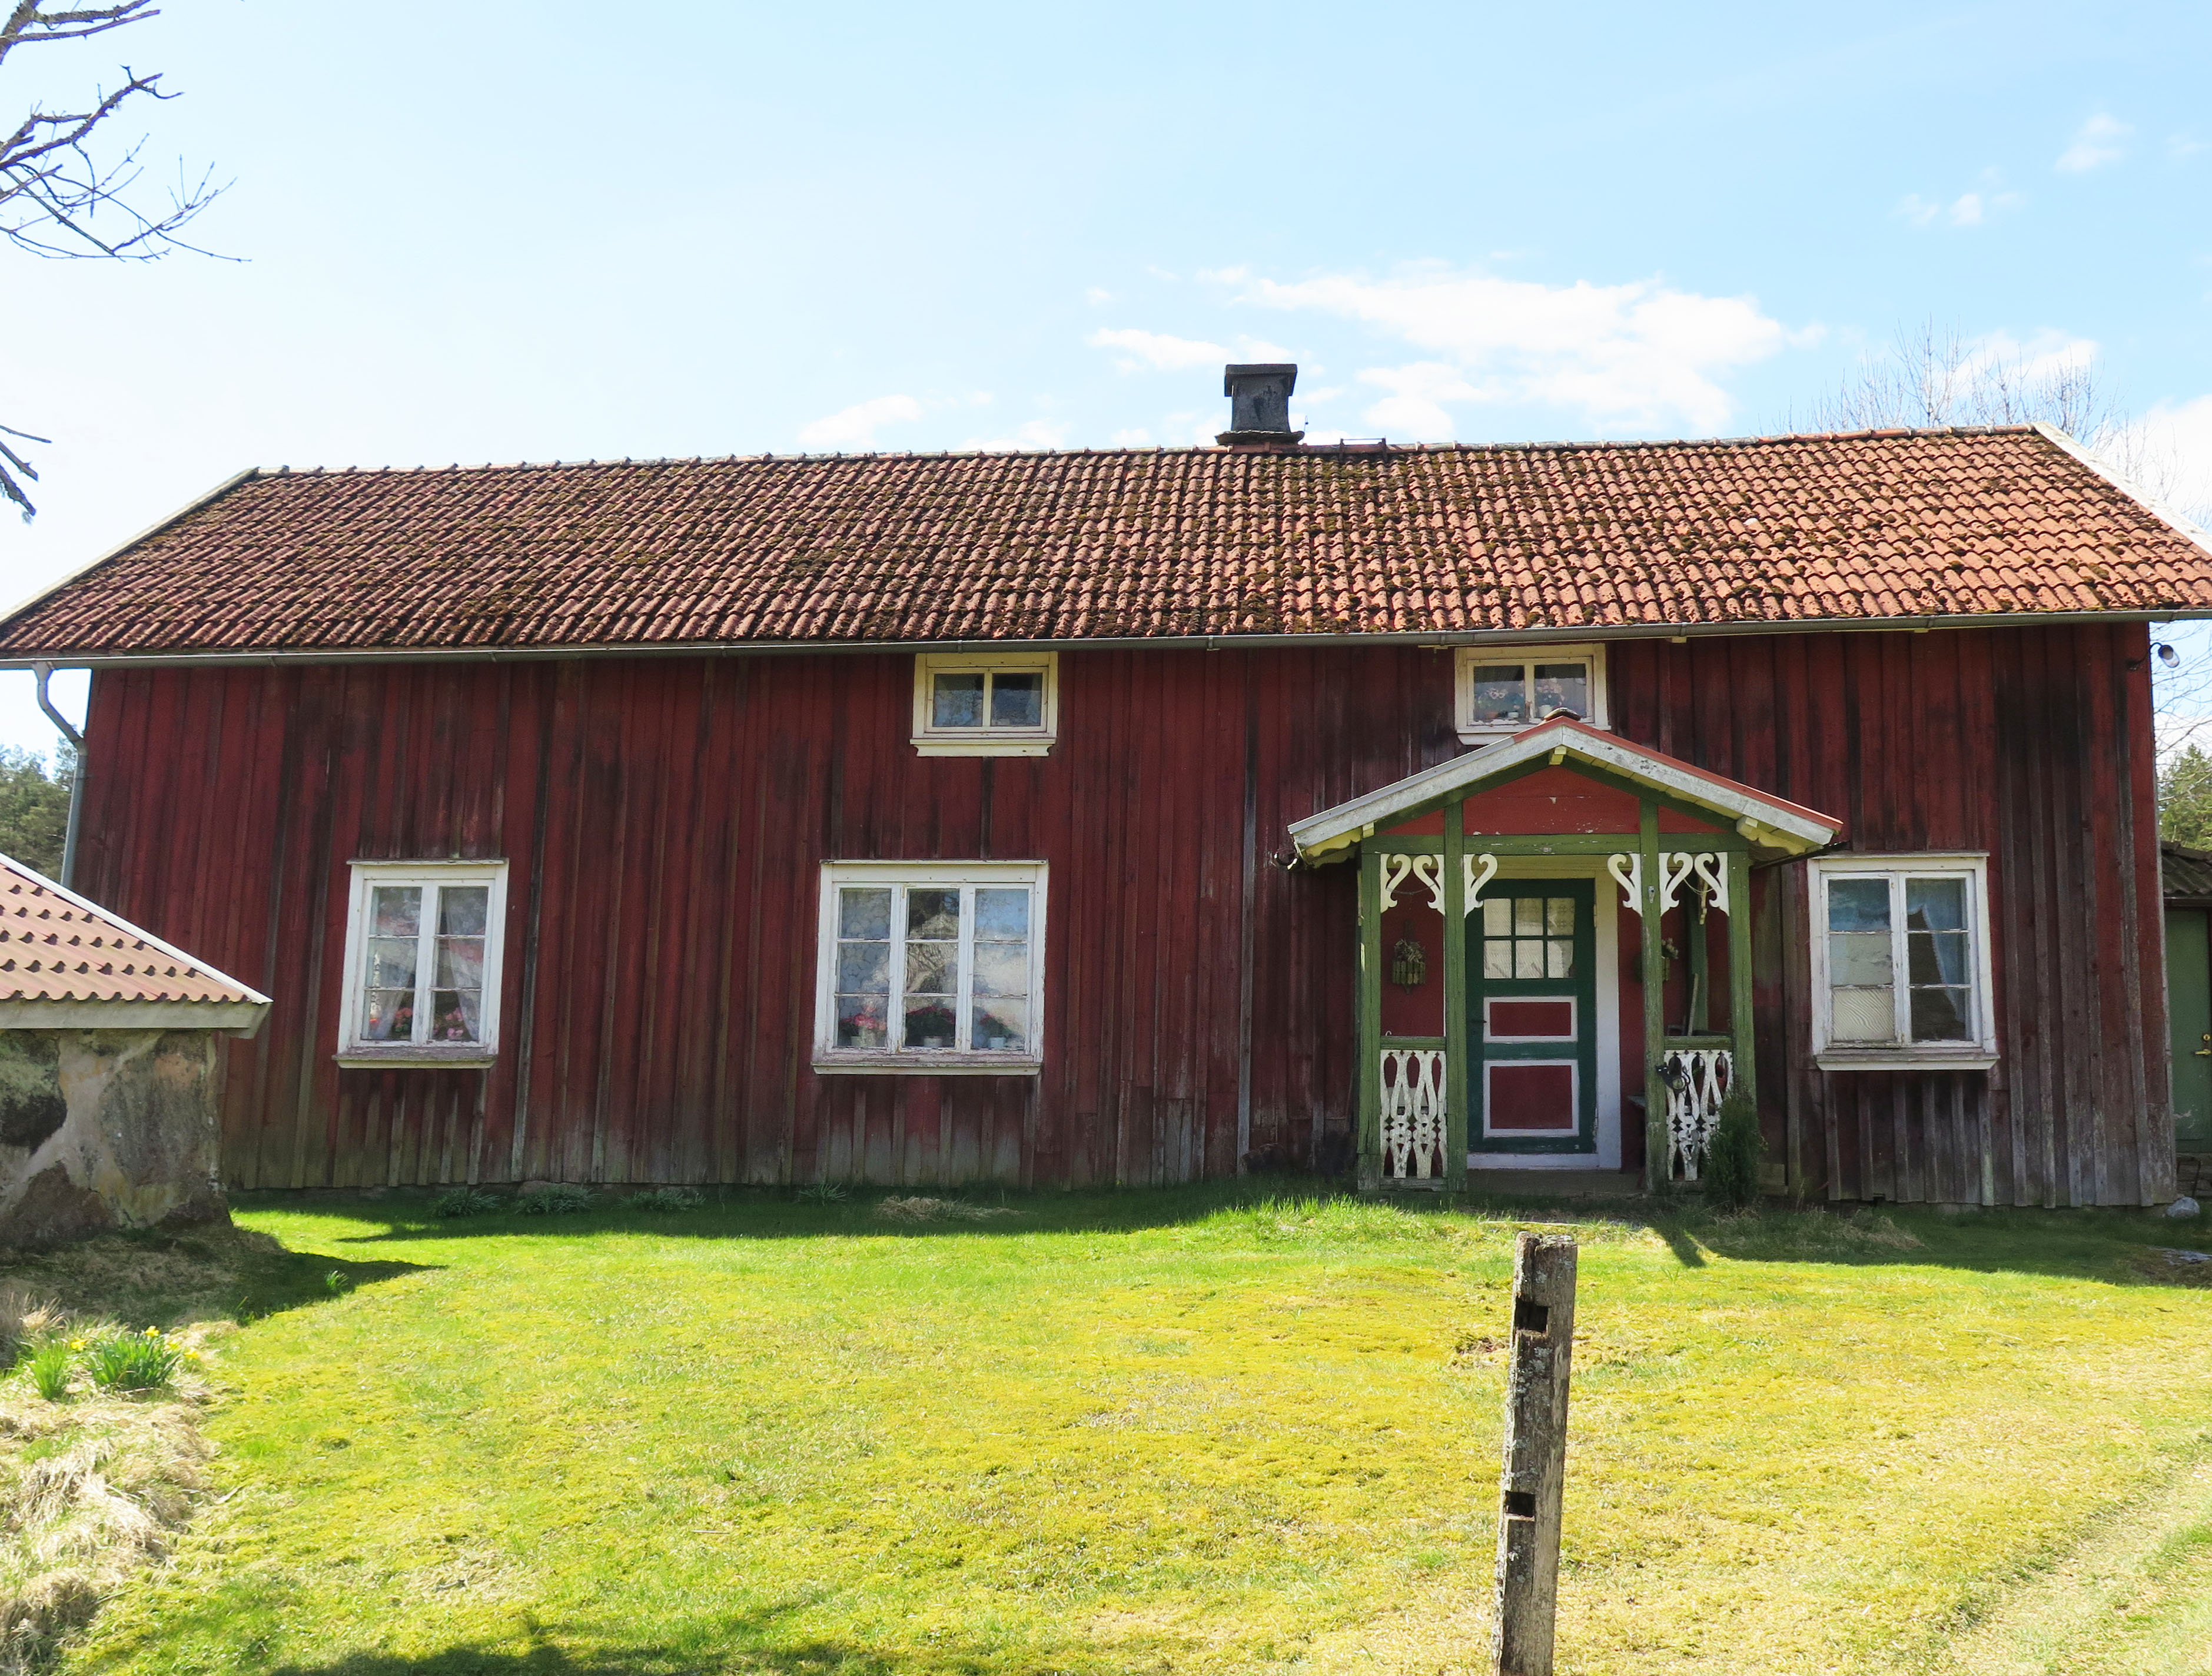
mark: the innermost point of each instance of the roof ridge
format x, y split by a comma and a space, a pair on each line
1294, 451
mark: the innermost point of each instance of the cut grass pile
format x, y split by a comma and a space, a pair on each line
1195, 1431
102, 1455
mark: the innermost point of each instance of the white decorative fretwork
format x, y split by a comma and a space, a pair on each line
1473, 879
1697, 1082
1627, 872
1713, 869
1412, 1112
1676, 869
1428, 869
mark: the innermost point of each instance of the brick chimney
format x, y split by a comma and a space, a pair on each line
1259, 405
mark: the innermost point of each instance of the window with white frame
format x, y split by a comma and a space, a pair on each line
1503, 690
1901, 961
422, 962
986, 704
930, 966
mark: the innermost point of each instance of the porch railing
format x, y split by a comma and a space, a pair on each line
1696, 1072
1414, 1114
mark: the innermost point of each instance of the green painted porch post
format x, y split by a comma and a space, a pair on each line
1743, 1065
1455, 1046
1370, 1021
1656, 1175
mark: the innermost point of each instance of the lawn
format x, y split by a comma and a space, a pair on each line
1196, 1431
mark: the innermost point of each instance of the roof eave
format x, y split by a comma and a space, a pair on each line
1441, 639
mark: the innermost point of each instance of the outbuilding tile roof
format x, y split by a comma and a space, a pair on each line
1146, 544
56, 946
2185, 873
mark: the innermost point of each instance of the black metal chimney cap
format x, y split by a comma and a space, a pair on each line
1287, 371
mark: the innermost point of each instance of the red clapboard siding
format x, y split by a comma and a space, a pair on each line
665, 820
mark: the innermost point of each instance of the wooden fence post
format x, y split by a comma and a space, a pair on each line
1535, 1455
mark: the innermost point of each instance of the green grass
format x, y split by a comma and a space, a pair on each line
1187, 1432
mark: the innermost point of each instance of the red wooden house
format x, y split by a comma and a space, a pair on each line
1122, 815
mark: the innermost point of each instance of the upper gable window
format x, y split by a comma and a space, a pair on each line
988, 704
1503, 690
422, 962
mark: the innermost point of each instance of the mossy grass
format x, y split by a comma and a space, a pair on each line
1223, 1429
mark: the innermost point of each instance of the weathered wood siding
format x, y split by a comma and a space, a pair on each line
663, 820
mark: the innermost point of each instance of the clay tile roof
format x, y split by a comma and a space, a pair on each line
1133, 544
56, 946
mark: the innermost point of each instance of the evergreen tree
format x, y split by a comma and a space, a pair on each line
34, 806
2184, 799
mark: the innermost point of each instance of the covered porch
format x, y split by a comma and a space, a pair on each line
1554, 956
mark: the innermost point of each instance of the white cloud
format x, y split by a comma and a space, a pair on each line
2180, 148
1419, 392
1157, 349
2096, 142
855, 427
1624, 356
1033, 433
1966, 210
1970, 208
1095, 295
1139, 437
1917, 210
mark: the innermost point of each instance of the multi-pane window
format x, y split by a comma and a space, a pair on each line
1902, 962
1502, 691
940, 964
1528, 937
989, 705
422, 960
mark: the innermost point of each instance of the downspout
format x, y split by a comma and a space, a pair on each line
76, 782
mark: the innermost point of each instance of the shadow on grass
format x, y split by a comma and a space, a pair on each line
2116, 1246
172, 1279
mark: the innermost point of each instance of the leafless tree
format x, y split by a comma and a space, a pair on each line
1933, 375
61, 197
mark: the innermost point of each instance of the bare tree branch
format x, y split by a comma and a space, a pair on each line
58, 200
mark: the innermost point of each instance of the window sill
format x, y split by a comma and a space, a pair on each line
362, 1059
1017, 744
1490, 735
939, 1064
1903, 1059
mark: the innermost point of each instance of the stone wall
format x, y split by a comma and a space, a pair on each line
105, 1129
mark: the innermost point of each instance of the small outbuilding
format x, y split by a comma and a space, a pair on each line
110, 1069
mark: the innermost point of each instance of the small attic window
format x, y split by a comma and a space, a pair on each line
985, 705
1503, 690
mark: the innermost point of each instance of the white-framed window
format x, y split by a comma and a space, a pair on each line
932, 966
1901, 962
422, 963
986, 704
1503, 689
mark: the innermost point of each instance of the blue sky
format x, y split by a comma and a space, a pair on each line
551, 230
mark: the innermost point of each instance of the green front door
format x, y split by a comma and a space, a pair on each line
1532, 1024
2189, 1015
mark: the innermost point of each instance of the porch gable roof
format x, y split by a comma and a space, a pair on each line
1770, 821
